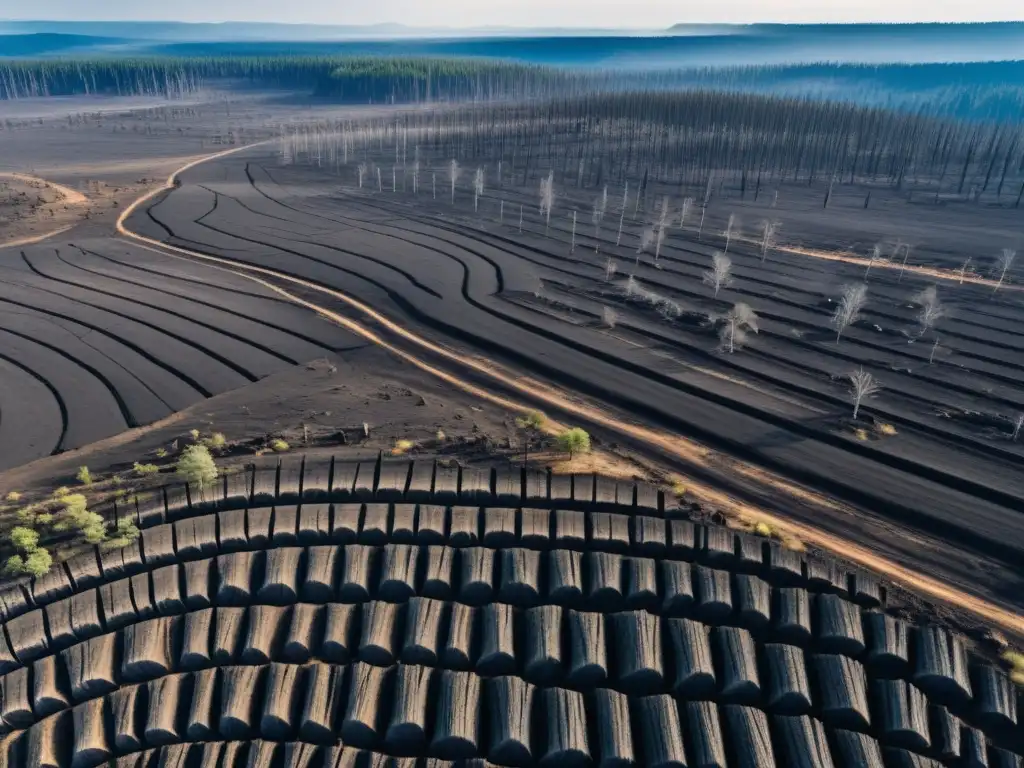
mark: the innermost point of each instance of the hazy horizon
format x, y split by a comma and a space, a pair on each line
648, 14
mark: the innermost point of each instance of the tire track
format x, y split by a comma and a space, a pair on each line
181, 297
86, 427
180, 278
61, 408
180, 315
129, 344
205, 351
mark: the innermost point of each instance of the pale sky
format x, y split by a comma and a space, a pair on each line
531, 13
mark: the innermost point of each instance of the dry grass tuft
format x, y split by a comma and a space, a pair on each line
401, 447
1016, 661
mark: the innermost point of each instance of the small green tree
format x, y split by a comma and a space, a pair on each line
197, 466
84, 476
145, 469
574, 441
24, 538
125, 532
38, 562
32, 560
530, 423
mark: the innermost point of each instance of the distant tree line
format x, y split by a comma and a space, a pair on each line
348, 79
988, 90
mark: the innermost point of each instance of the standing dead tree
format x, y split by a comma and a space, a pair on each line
610, 268
547, 198
862, 387
622, 215
1003, 263
1017, 427
874, 258
478, 188
850, 304
685, 210
453, 175
662, 231
963, 269
600, 206
729, 227
738, 322
768, 230
718, 276
906, 255
931, 309
645, 240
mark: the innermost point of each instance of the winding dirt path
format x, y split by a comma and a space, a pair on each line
668, 443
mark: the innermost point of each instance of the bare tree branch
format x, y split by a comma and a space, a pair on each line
850, 304
718, 276
862, 386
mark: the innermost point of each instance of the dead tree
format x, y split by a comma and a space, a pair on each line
850, 304
728, 230
768, 230
738, 322
453, 175
718, 276
931, 309
1003, 263
862, 386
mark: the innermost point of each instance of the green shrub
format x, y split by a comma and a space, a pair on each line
145, 469
279, 446
216, 440
531, 420
12, 496
161, 453
197, 466
84, 476
35, 563
76, 516
194, 433
61, 492
24, 538
126, 528
38, 562
74, 503
573, 441
27, 515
